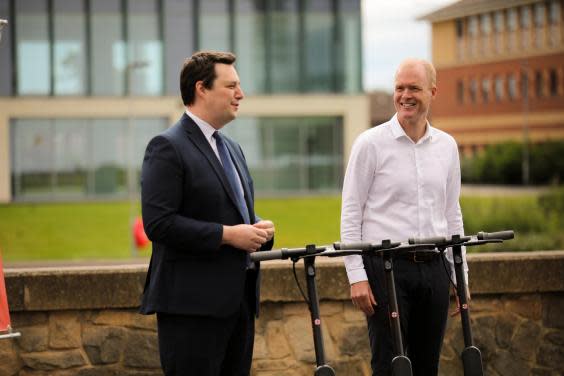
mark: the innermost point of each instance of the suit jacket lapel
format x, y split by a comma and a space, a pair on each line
199, 140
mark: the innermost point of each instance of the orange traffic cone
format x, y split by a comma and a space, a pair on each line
141, 239
5, 326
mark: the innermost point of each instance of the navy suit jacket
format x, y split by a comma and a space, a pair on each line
186, 198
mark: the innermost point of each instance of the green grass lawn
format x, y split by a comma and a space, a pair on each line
101, 230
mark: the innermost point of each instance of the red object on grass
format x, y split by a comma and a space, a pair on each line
4, 311
141, 239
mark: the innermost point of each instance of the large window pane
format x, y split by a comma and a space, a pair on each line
284, 46
213, 25
349, 72
32, 45
108, 53
79, 158
32, 157
291, 155
69, 47
70, 152
178, 40
319, 35
250, 45
145, 65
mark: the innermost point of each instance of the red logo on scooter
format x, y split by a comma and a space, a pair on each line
317, 322
465, 306
395, 315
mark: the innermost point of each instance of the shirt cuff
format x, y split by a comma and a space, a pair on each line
357, 275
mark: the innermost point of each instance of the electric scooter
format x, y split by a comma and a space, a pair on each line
471, 355
401, 365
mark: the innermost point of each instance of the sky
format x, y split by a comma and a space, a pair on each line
391, 34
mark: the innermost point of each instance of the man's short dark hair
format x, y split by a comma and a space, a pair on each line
201, 67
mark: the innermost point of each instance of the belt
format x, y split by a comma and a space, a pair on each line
418, 256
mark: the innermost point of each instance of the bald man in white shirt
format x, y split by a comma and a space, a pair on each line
402, 181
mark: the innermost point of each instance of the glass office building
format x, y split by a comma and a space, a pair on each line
85, 84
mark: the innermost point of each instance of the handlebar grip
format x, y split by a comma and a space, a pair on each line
352, 246
433, 240
502, 235
266, 255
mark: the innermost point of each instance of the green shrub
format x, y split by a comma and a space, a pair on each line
503, 164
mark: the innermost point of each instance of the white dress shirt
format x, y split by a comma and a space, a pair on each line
208, 132
396, 189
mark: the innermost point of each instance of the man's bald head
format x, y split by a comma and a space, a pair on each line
427, 66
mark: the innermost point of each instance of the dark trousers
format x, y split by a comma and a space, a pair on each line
208, 346
423, 299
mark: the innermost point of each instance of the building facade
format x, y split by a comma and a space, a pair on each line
85, 84
500, 70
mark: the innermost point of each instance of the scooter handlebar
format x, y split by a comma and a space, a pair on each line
502, 235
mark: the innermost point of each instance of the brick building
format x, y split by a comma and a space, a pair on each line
500, 67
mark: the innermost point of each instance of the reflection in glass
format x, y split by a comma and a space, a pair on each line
70, 151
291, 154
213, 26
108, 48
349, 52
250, 45
145, 66
69, 48
32, 48
78, 158
319, 37
284, 46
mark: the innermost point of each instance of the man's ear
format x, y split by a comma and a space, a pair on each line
200, 89
433, 92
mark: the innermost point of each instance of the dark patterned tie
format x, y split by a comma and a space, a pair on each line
231, 172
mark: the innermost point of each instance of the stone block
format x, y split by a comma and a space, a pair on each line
352, 314
21, 319
129, 319
10, 362
331, 308
351, 367
483, 330
52, 360
76, 287
141, 350
300, 338
113, 371
553, 311
351, 339
103, 345
525, 340
556, 337
64, 330
527, 306
276, 342
506, 363
506, 325
299, 309
33, 338
273, 365
451, 367
260, 350
550, 356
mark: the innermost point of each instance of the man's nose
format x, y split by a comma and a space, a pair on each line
239, 94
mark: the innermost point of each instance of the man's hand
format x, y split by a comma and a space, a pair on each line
457, 310
246, 237
362, 297
268, 226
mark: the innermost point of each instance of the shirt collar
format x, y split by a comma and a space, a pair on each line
204, 126
398, 132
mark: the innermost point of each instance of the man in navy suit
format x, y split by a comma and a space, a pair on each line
197, 202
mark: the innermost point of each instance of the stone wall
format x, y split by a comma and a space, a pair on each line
83, 320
